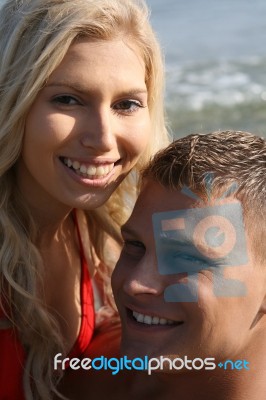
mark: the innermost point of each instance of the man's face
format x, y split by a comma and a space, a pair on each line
186, 282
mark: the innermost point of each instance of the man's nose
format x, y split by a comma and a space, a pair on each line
144, 278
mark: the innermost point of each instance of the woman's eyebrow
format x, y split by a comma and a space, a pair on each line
83, 88
72, 85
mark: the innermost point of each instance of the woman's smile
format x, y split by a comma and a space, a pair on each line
89, 170
87, 127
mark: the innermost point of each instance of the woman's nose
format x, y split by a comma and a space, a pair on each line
99, 131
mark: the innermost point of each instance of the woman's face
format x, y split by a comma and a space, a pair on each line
87, 127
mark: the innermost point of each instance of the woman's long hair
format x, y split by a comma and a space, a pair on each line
35, 35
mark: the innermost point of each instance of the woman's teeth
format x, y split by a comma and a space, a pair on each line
88, 171
149, 320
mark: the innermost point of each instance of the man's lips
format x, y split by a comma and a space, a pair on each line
149, 319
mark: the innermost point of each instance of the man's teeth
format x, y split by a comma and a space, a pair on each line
89, 170
149, 320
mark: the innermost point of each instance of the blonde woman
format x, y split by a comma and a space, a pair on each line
81, 112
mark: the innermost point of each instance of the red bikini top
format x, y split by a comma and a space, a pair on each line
87, 305
12, 356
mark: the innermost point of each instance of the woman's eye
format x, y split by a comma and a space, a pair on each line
128, 106
66, 100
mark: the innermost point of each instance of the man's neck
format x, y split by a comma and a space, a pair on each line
218, 384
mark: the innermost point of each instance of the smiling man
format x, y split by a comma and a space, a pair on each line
190, 284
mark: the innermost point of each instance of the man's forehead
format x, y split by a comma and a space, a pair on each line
155, 198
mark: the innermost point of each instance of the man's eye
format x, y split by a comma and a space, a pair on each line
187, 262
128, 106
66, 100
134, 247
134, 243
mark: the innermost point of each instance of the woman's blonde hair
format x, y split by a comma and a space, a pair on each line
35, 35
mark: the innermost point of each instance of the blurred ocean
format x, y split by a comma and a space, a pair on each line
215, 55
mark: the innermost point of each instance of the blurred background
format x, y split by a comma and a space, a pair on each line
215, 55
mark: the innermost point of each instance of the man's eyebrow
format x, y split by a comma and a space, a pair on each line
163, 236
125, 229
166, 240
184, 244
82, 88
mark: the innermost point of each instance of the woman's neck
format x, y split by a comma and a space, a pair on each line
53, 229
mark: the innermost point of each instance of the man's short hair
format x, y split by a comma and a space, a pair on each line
229, 157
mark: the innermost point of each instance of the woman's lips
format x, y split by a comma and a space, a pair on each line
88, 170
